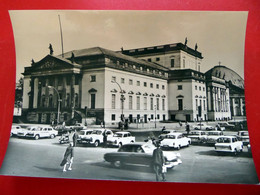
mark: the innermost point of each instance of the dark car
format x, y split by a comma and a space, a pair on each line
139, 153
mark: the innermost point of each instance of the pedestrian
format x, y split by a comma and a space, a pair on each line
188, 128
68, 158
75, 138
158, 162
163, 128
105, 138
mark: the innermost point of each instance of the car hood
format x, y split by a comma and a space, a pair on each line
171, 155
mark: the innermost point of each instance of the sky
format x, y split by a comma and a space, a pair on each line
220, 36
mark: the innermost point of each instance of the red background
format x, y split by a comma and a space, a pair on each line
22, 185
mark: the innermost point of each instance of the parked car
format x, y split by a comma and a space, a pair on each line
175, 140
140, 153
42, 132
164, 133
212, 137
243, 136
120, 138
197, 137
228, 144
83, 135
23, 132
78, 126
202, 126
15, 129
96, 137
226, 125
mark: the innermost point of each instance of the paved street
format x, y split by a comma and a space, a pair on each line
41, 158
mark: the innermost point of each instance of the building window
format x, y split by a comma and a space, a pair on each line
196, 87
203, 88
180, 104
172, 63
163, 104
199, 68
138, 102
149, 59
145, 103
68, 100
76, 100
50, 100
183, 63
145, 84
113, 101
113, 78
92, 78
151, 85
151, 116
158, 116
157, 86
93, 101
122, 80
151, 104
163, 87
200, 88
179, 87
157, 104
196, 104
130, 102
113, 117
43, 100
157, 59
130, 82
204, 104
138, 83
76, 80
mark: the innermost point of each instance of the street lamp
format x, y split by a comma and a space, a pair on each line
155, 107
122, 100
59, 100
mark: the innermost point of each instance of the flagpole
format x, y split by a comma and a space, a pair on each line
61, 37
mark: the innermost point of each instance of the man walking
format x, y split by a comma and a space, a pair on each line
75, 138
158, 161
68, 158
105, 138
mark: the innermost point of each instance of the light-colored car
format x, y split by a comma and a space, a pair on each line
226, 125
83, 135
175, 140
23, 132
202, 126
96, 137
15, 129
42, 132
197, 137
228, 144
164, 133
120, 138
212, 137
243, 136
140, 154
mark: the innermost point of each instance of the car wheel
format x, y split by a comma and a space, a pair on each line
52, 136
117, 164
96, 144
36, 137
120, 144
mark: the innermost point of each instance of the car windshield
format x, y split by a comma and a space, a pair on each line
81, 133
170, 136
118, 135
224, 140
98, 132
213, 133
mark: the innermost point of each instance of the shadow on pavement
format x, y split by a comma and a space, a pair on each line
214, 153
48, 169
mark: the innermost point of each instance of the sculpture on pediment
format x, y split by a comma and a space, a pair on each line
32, 62
186, 41
72, 58
51, 50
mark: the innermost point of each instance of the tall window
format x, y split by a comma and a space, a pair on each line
122, 80
130, 102
130, 82
172, 63
204, 104
145, 84
151, 104
113, 78
157, 104
179, 87
163, 104
138, 102
43, 100
196, 104
76, 100
145, 103
180, 104
68, 100
93, 100
157, 86
138, 83
113, 101
183, 63
151, 85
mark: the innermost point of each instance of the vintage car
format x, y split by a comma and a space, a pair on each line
197, 137
77, 126
120, 138
202, 126
243, 136
83, 134
140, 153
164, 133
96, 137
212, 137
15, 129
175, 140
226, 125
228, 144
23, 132
42, 132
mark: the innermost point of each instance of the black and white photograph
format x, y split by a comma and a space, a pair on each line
155, 96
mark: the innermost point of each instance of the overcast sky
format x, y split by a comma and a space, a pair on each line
220, 35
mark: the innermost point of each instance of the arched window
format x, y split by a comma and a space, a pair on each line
43, 101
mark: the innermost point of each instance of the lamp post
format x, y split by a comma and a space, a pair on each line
122, 100
59, 100
155, 107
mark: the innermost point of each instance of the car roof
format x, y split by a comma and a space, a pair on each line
227, 136
174, 133
86, 130
123, 132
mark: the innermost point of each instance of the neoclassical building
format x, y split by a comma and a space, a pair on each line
145, 84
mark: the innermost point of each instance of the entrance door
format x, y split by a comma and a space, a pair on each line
187, 117
39, 117
173, 117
